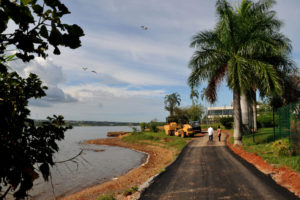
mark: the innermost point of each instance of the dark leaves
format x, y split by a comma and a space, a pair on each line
44, 168
24, 145
32, 37
37, 9
44, 32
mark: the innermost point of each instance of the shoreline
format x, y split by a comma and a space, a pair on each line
157, 159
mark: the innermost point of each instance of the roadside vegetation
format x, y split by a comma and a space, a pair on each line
106, 197
278, 153
158, 139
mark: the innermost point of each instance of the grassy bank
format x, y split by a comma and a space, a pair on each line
159, 138
263, 145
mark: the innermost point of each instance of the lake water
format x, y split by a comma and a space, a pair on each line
91, 167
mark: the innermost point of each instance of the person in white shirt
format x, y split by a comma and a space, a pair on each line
210, 131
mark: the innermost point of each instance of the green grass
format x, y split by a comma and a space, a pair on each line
262, 145
159, 138
130, 191
106, 197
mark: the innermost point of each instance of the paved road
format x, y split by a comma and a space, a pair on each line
208, 170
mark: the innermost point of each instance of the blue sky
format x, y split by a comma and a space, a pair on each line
135, 68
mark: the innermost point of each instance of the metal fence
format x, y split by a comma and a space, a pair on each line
289, 124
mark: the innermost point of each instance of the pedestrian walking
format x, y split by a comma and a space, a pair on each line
219, 133
210, 131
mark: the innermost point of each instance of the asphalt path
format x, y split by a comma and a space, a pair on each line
209, 170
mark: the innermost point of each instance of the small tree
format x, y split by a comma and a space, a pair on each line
24, 147
143, 126
153, 125
195, 112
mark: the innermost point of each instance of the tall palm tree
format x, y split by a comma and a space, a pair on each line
171, 102
242, 48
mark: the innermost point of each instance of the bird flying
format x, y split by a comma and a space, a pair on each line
144, 27
94, 71
84, 68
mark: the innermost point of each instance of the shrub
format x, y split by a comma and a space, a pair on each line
282, 147
130, 191
266, 120
134, 130
153, 126
143, 126
227, 122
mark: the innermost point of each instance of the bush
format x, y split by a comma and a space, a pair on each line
227, 122
153, 126
130, 191
282, 147
143, 126
266, 120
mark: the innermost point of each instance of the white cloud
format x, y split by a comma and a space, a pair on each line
91, 92
51, 76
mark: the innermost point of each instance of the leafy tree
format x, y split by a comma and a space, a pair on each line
195, 112
26, 148
181, 115
38, 26
246, 48
171, 102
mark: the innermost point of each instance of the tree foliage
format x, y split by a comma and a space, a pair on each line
245, 48
38, 26
171, 102
25, 148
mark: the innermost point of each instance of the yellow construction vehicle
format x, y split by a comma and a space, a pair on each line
171, 128
175, 129
185, 131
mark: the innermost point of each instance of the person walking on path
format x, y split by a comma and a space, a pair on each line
210, 131
219, 133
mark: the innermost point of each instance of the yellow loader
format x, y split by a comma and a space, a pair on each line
171, 128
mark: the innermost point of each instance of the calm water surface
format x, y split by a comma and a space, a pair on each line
91, 167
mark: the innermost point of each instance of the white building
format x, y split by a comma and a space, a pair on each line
226, 111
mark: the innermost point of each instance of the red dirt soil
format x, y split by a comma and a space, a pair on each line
284, 176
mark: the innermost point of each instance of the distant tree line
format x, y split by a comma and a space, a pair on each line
93, 123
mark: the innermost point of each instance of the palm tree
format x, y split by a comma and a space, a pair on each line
171, 102
242, 48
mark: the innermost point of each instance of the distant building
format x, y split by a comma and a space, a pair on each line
213, 112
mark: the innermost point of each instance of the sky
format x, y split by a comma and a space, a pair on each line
135, 68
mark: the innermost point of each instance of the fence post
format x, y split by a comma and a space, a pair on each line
274, 137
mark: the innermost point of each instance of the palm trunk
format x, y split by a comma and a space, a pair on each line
247, 114
245, 110
254, 115
237, 116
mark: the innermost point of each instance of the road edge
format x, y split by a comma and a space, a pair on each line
143, 188
260, 174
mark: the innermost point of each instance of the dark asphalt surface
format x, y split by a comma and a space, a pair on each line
209, 170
